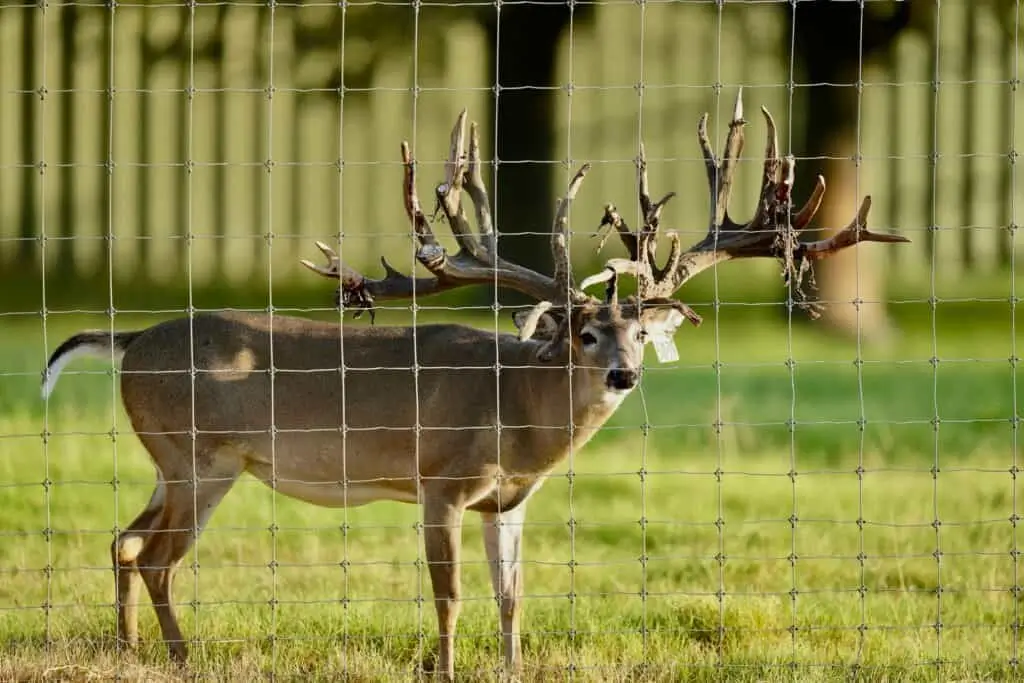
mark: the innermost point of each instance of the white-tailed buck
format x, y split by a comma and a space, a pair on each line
446, 416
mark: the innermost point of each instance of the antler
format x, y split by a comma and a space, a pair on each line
476, 261
773, 231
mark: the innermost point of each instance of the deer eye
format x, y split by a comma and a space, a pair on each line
588, 339
641, 336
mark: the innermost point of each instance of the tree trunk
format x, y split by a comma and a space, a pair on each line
65, 269
831, 41
851, 284
830, 140
524, 41
29, 219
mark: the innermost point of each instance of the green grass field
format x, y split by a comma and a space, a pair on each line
862, 520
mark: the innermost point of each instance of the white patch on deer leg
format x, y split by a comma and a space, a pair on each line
503, 537
130, 544
128, 548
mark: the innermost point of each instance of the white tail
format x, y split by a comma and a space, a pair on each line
103, 345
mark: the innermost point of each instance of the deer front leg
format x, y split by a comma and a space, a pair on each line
503, 539
442, 522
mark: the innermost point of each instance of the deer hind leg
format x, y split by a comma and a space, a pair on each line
128, 582
189, 501
503, 540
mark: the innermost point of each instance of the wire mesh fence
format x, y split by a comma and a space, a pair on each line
781, 501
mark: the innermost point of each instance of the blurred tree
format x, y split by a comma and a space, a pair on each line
832, 40
525, 43
29, 188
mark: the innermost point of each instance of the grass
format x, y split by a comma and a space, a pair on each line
830, 525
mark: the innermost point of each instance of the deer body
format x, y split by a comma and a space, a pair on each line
311, 429
448, 416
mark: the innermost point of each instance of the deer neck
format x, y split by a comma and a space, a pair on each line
590, 402
558, 397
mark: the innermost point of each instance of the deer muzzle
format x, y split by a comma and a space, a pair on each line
622, 379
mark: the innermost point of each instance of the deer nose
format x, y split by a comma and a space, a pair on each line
622, 379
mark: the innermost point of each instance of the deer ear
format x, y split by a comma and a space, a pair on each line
664, 319
547, 325
661, 322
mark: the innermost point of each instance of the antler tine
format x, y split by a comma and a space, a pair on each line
560, 235
478, 194
672, 264
855, 232
803, 218
730, 159
649, 276
612, 220
612, 268
412, 201
449, 193
530, 321
771, 151
710, 163
455, 166
646, 244
643, 186
334, 268
611, 290
651, 210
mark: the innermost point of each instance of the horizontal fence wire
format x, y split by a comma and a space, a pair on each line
270, 485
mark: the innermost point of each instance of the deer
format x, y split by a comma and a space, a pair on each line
445, 416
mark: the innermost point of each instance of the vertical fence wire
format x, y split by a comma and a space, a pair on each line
794, 519
718, 424
271, 29
641, 222
187, 99
933, 228
346, 523
423, 532
1015, 416
499, 519
574, 668
109, 220
859, 365
29, 169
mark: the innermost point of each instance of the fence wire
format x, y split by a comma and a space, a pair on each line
788, 500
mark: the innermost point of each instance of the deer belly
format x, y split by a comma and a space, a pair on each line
506, 498
339, 494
